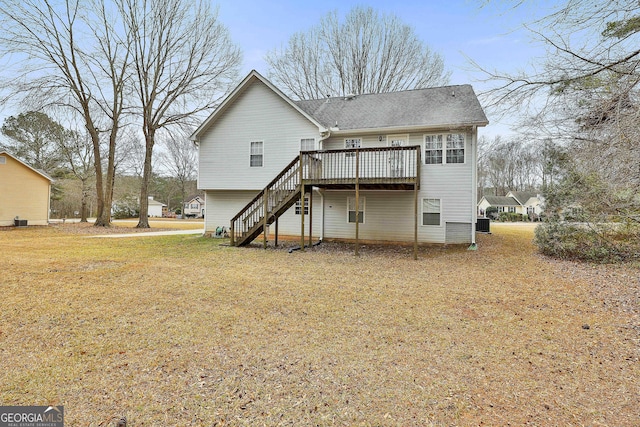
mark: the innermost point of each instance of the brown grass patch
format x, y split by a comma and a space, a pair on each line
178, 330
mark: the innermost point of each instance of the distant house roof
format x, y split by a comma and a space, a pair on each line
501, 201
195, 197
155, 203
447, 106
523, 196
434, 107
39, 172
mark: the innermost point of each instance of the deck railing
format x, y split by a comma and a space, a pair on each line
380, 164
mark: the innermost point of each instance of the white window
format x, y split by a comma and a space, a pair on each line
350, 143
432, 149
3, 160
512, 209
307, 144
455, 148
430, 211
351, 209
437, 151
257, 151
306, 206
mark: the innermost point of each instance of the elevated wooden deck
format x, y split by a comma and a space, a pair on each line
380, 168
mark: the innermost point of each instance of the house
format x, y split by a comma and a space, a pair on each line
530, 201
395, 167
194, 207
519, 202
24, 193
156, 209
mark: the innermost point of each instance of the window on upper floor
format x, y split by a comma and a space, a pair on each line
444, 148
350, 143
455, 148
257, 154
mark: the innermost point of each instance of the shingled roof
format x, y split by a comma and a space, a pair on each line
438, 107
501, 201
433, 107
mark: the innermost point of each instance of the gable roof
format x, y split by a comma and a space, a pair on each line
523, 196
447, 106
501, 201
39, 172
239, 90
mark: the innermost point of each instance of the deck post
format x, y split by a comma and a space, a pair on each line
302, 189
415, 221
310, 216
265, 217
276, 241
357, 202
232, 233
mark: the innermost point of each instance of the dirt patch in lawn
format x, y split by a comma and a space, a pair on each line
180, 330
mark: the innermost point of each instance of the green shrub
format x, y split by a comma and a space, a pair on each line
600, 243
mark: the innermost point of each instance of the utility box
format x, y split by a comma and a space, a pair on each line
483, 225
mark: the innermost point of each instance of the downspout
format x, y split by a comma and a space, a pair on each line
474, 187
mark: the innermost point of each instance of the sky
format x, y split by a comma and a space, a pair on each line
489, 32
491, 35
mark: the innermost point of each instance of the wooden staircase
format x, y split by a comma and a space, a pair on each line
274, 200
376, 168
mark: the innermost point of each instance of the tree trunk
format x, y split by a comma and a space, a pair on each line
146, 178
83, 204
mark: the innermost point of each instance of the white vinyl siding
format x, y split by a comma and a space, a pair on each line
458, 233
258, 114
307, 144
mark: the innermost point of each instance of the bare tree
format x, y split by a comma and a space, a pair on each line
364, 53
184, 63
181, 162
68, 54
77, 150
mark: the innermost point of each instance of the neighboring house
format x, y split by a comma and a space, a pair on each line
156, 208
194, 207
24, 192
531, 202
501, 203
406, 159
520, 202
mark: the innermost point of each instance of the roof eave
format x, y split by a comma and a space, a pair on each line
228, 101
394, 129
42, 174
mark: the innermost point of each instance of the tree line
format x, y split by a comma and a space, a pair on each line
155, 68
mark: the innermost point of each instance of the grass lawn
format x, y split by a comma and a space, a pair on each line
182, 331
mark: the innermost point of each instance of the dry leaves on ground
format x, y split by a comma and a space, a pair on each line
180, 330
